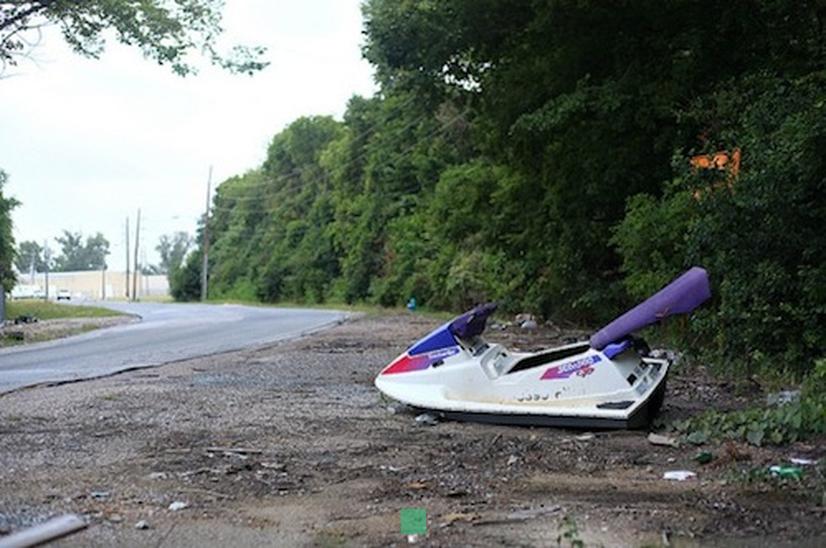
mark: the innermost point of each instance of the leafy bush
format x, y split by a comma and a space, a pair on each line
784, 423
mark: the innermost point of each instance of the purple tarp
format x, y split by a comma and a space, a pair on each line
679, 297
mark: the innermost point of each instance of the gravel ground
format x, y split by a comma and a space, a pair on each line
292, 445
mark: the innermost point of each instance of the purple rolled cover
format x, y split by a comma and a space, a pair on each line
679, 297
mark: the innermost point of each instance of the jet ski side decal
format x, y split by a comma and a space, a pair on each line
406, 363
582, 367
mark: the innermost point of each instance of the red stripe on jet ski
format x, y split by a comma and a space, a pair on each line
405, 363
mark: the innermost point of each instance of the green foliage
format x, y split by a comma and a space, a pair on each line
166, 31
7, 251
173, 249
30, 255
569, 533
786, 423
77, 255
537, 153
45, 310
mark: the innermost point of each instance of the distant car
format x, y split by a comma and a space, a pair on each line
64, 295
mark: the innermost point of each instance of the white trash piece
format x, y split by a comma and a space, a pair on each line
679, 475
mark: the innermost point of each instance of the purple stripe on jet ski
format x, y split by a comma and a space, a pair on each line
679, 297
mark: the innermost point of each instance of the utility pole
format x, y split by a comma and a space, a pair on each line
135, 264
47, 258
103, 282
205, 265
127, 258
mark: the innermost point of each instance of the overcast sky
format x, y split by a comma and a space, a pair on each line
87, 142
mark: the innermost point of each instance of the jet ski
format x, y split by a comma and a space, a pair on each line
609, 381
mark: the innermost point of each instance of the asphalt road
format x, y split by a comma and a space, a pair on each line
167, 332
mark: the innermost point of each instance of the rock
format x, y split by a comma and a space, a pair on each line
529, 325
427, 419
178, 505
142, 524
658, 439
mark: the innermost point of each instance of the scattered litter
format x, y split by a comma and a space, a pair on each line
157, 475
679, 475
99, 495
783, 397
704, 457
142, 524
178, 505
802, 462
389, 468
659, 439
513, 459
417, 485
115, 518
44, 532
427, 419
584, 437
412, 539
786, 471
273, 466
671, 459
25, 318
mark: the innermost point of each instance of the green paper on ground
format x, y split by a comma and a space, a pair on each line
413, 521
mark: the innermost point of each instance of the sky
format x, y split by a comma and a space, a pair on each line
87, 142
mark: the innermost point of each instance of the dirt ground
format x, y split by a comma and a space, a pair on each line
292, 445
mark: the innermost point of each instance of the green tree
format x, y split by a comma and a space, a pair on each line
30, 255
166, 31
77, 255
7, 252
173, 249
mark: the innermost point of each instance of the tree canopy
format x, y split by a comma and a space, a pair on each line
7, 252
77, 255
539, 154
168, 32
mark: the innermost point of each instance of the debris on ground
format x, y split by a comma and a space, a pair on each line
427, 419
802, 462
584, 437
659, 439
529, 325
786, 472
178, 505
44, 532
142, 524
679, 475
783, 397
